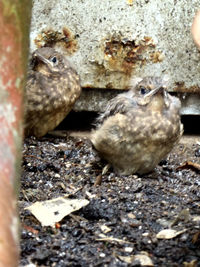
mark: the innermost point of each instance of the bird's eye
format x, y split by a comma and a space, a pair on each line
143, 90
54, 59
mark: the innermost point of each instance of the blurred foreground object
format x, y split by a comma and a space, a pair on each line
51, 91
196, 29
139, 128
14, 28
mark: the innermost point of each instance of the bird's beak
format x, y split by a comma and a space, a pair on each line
42, 59
161, 89
155, 91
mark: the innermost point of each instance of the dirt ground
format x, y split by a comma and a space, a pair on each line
124, 214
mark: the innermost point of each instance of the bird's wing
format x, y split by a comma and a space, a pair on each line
34, 101
120, 104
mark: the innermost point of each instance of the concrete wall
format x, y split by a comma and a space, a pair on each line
112, 41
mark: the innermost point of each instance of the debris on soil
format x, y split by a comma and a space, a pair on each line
111, 239
190, 165
169, 233
50, 212
142, 259
133, 209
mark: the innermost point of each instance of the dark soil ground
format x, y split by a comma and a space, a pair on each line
134, 208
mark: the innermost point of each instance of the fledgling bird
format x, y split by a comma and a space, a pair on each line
52, 88
138, 128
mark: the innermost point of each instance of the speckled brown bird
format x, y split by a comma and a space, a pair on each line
138, 128
52, 88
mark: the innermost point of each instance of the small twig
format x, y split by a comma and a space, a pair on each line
35, 157
25, 195
189, 165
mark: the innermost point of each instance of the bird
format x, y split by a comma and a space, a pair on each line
138, 128
52, 88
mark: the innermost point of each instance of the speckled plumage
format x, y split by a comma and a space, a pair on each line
52, 88
138, 128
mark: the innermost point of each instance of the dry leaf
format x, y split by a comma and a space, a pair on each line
52, 211
142, 258
131, 215
111, 239
196, 218
127, 259
169, 233
89, 195
193, 263
105, 229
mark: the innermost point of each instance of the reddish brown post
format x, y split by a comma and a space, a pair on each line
14, 36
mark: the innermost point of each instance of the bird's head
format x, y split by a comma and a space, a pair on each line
48, 60
151, 92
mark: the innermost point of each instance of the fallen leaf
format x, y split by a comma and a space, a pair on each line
169, 233
105, 229
52, 211
193, 263
127, 259
131, 215
89, 195
143, 259
111, 239
196, 218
